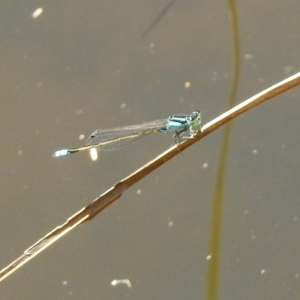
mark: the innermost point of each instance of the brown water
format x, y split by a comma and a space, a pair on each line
85, 65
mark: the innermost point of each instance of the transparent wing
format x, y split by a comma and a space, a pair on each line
115, 138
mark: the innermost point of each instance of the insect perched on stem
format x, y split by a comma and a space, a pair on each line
115, 138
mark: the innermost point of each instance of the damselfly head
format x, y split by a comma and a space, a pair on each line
195, 116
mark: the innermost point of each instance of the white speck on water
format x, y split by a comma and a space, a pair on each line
121, 281
208, 257
151, 47
248, 56
170, 223
94, 154
187, 85
123, 106
37, 13
214, 76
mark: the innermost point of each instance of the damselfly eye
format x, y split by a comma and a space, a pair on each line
195, 114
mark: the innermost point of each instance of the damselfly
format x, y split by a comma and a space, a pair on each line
112, 139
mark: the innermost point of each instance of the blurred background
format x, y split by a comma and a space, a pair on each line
76, 66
